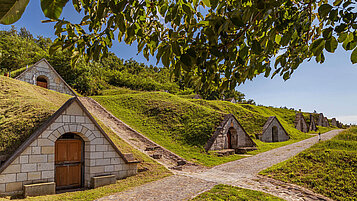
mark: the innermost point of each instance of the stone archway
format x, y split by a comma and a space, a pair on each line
85, 135
275, 135
42, 81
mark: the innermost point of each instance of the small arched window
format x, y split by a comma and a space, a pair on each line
42, 82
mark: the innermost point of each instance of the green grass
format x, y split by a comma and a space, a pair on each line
183, 125
225, 192
328, 168
23, 108
17, 72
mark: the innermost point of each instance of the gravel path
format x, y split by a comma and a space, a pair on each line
175, 187
241, 173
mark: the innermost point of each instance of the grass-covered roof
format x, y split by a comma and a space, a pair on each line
184, 125
23, 108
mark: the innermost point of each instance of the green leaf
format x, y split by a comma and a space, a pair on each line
277, 38
12, 10
55, 46
53, 8
331, 44
286, 76
176, 48
186, 59
354, 56
337, 2
165, 59
237, 21
324, 10
256, 47
187, 9
207, 3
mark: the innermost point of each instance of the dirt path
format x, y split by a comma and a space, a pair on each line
137, 140
241, 173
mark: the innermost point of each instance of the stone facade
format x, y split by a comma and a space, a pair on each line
36, 162
320, 121
312, 126
334, 122
273, 126
45, 70
239, 138
326, 123
300, 123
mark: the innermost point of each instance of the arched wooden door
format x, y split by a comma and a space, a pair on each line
275, 134
232, 138
42, 82
68, 162
229, 137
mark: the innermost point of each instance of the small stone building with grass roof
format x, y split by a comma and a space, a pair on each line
230, 135
300, 123
44, 75
273, 131
326, 123
312, 126
70, 150
321, 119
334, 122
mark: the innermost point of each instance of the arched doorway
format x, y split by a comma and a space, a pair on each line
42, 81
232, 138
275, 134
69, 163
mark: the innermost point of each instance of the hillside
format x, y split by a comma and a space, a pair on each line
184, 125
329, 167
23, 108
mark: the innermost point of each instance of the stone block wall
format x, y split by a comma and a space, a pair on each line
36, 163
54, 82
221, 142
267, 135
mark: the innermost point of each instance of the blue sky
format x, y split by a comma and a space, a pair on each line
330, 87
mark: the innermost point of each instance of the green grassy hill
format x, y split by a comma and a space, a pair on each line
329, 167
183, 125
23, 108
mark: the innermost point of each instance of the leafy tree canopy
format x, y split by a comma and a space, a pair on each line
222, 43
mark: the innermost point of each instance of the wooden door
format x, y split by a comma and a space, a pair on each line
42, 84
275, 134
68, 162
229, 136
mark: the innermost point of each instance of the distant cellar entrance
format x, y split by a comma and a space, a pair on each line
232, 138
42, 82
275, 134
69, 161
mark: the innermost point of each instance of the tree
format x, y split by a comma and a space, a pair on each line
223, 43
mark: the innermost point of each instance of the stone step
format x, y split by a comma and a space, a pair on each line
152, 148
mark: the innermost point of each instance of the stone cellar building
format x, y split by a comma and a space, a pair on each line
230, 135
44, 75
312, 126
70, 150
300, 123
273, 131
